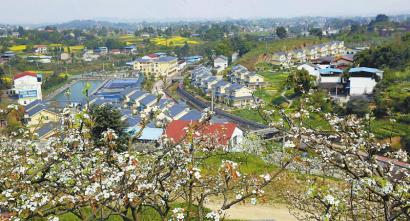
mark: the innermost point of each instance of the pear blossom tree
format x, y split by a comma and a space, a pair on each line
70, 174
372, 182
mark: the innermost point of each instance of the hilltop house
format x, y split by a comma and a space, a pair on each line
362, 80
299, 56
343, 62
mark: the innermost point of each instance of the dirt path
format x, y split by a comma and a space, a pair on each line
277, 212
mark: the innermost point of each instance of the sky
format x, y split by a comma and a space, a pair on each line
57, 11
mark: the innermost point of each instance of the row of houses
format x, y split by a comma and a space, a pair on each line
302, 55
44, 119
122, 94
236, 92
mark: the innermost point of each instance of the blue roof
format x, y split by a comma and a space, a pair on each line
176, 109
36, 109
137, 94
126, 112
151, 134
148, 99
235, 86
163, 102
46, 128
160, 59
129, 90
32, 104
221, 83
192, 115
364, 69
133, 121
330, 71
122, 83
130, 47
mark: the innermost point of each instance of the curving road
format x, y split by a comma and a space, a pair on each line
199, 104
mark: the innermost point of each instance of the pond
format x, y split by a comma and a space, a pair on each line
76, 91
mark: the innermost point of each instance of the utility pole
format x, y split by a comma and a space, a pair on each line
212, 100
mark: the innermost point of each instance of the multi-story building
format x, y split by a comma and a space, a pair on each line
238, 95
157, 66
27, 86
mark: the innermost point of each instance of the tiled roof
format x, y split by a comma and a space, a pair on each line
192, 115
365, 69
23, 74
221, 133
46, 128
176, 109
148, 99
36, 109
32, 104
137, 94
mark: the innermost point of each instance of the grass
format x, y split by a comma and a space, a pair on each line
276, 83
249, 164
383, 128
249, 114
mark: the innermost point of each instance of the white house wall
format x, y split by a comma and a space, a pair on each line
361, 85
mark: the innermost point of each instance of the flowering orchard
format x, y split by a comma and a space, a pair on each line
365, 179
69, 174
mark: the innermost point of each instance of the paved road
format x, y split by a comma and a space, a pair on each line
243, 123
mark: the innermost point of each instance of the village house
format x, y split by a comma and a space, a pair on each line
331, 80
362, 80
220, 90
343, 62
313, 70
312, 53
323, 50
40, 49
254, 81
157, 65
131, 49
220, 63
238, 95
177, 111
101, 50
224, 135
280, 59
299, 56
27, 87
39, 114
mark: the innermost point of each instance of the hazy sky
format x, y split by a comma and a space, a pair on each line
53, 11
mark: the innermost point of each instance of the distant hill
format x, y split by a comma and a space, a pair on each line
88, 24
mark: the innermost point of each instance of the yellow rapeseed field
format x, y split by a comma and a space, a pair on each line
174, 41
74, 48
18, 48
